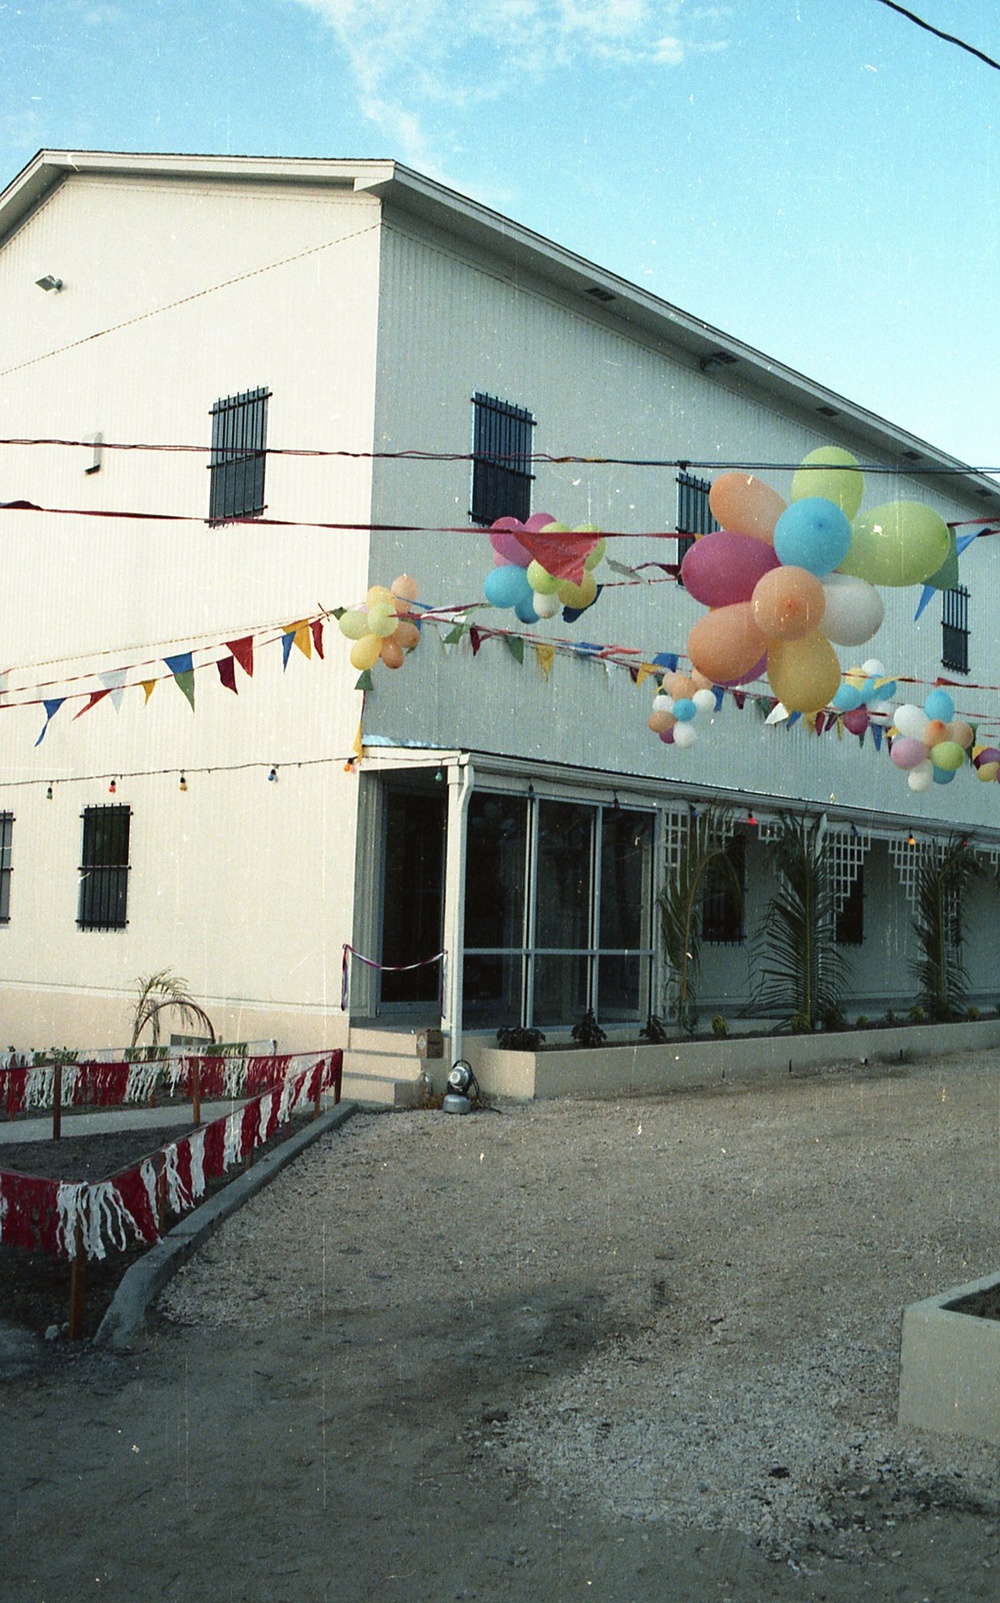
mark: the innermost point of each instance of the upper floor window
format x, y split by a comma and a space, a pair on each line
236, 466
955, 629
501, 460
104, 868
6, 831
694, 516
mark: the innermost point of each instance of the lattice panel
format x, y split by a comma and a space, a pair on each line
674, 832
846, 850
906, 860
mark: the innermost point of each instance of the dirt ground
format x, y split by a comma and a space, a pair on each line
624, 1350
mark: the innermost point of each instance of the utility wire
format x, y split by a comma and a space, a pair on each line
949, 38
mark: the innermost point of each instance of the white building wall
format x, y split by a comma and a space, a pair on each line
176, 294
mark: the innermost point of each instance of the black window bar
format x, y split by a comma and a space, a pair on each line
694, 516
6, 832
236, 465
955, 629
104, 870
501, 460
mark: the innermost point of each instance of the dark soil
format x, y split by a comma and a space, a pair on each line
34, 1287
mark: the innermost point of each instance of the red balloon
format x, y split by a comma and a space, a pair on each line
722, 568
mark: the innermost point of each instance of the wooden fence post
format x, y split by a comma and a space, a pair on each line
77, 1281
196, 1091
57, 1102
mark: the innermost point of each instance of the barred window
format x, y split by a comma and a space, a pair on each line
501, 460
236, 466
955, 629
694, 516
6, 831
722, 904
104, 868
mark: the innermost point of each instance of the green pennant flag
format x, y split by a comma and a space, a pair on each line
365, 681
454, 635
515, 645
182, 670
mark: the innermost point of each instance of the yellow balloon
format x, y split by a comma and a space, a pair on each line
898, 544
804, 674
595, 556
541, 580
832, 473
379, 596
365, 653
577, 595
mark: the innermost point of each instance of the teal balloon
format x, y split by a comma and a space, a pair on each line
847, 699
940, 705
813, 534
685, 709
507, 586
943, 776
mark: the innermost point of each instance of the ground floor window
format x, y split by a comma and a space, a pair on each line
412, 907
558, 911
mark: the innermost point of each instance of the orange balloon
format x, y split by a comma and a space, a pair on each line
961, 733
676, 685
788, 603
659, 722
804, 674
701, 681
726, 643
407, 634
746, 505
405, 588
935, 730
392, 653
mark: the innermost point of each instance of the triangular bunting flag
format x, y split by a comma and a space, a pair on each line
475, 639
92, 700
876, 730
454, 635
227, 673
149, 685
114, 683
515, 645
633, 672
51, 708
182, 668
317, 635
303, 638
364, 681
287, 641
644, 672
242, 650
740, 698
545, 655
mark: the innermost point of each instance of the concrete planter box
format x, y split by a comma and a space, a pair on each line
605, 1070
949, 1365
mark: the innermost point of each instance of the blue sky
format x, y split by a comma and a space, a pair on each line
817, 177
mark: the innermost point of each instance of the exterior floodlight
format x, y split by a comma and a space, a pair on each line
50, 281
462, 1086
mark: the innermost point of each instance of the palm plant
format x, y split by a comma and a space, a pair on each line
944, 873
802, 971
160, 992
703, 856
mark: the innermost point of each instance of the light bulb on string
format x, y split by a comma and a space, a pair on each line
183, 783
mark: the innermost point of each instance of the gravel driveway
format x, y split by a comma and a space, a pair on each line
625, 1350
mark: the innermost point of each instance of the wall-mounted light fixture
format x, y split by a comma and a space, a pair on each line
50, 281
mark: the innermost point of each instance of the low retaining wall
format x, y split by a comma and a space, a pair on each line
606, 1070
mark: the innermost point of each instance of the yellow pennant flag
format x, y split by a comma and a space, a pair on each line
149, 685
545, 655
645, 669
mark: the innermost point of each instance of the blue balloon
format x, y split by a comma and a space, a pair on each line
526, 612
507, 586
940, 705
813, 534
685, 710
847, 699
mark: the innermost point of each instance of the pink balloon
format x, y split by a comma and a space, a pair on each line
857, 720
506, 545
538, 521
906, 753
723, 568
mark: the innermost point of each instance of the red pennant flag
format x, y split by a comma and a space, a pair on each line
227, 673
317, 633
475, 640
563, 555
95, 697
740, 698
242, 650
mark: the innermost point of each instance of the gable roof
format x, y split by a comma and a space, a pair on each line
400, 189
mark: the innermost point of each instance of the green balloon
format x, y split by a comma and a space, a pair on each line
540, 579
832, 473
898, 544
948, 755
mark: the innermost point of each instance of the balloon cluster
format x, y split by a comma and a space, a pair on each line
385, 628
520, 577
677, 703
864, 697
785, 582
932, 744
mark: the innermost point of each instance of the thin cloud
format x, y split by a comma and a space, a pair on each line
410, 56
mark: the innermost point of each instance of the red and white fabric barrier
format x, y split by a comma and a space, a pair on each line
44, 1214
106, 1085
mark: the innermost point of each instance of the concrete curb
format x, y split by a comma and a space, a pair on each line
140, 1285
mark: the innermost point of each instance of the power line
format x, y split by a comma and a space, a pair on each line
949, 38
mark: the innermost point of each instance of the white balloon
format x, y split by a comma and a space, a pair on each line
921, 777
854, 610
873, 668
545, 606
685, 734
665, 703
704, 700
910, 720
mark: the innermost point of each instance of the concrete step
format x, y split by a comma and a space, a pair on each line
380, 1091
396, 1043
